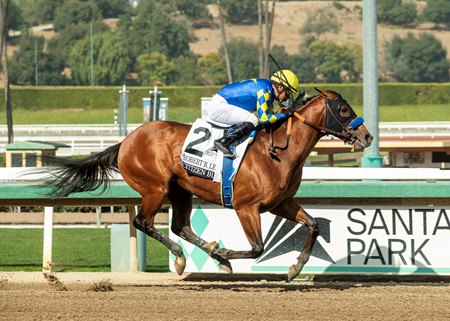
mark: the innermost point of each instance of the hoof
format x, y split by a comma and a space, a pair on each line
225, 266
180, 264
293, 272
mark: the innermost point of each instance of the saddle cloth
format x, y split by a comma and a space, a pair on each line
201, 158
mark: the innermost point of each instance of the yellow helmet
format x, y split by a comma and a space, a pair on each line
286, 78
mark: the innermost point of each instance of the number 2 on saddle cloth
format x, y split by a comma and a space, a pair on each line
200, 158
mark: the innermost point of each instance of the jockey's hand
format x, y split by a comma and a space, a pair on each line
288, 111
251, 137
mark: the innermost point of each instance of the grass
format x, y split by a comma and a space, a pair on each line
188, 115
410, 113
74, 250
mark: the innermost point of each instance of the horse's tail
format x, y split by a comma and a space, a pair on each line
79, 175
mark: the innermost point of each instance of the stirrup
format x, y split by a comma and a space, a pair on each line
226, 152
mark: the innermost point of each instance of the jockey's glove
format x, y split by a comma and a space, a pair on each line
251, 137
288, 111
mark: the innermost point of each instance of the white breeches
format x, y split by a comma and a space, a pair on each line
222, 112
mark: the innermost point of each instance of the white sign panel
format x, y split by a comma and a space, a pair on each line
378, 240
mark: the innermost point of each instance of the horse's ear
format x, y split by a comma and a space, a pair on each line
320, 92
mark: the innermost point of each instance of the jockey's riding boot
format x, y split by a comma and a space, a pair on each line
233, 134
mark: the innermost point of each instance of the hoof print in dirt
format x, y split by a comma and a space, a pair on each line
54, 281
102, 286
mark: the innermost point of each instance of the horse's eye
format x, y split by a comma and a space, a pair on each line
344, 111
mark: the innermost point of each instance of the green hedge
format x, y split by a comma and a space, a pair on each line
35, 98
391, 94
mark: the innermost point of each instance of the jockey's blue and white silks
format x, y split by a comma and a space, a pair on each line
249, 95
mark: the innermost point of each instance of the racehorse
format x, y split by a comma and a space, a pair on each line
149, 161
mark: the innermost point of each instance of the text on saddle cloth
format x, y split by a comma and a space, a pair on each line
201, 158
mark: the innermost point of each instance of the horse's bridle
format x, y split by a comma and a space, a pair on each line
347, 125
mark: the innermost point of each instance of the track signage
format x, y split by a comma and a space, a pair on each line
369, 240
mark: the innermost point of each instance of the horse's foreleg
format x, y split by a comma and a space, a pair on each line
292, 211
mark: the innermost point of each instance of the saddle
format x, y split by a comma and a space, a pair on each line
200, 158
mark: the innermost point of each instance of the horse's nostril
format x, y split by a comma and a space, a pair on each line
369, 138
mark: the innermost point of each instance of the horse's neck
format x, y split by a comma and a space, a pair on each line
303, 137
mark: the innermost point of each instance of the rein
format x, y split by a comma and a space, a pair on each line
346, 134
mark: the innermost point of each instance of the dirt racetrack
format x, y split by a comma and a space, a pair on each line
165, 296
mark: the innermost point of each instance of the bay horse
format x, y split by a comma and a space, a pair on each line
149, 160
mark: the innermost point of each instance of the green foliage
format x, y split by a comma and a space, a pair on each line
72, 12
403, 15
193, 9
300, 64
155, 68
38, 98
437, 11
319, 22
212, 69
63, 42
334, 63
96, 105
240, 11
113, 62
421, 59
15, 19
243, 59
22, 67
187, 72
80, 60
395, 12
39, 12
113, 8
154, 30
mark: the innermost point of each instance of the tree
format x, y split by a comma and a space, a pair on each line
319, 22
3, 17
22, 66
193, 9
111, 60
334, 63
80, 59
113, 8
396, 12
113, 63
154, 68
243, 58
421, 59
39, 12
403, 15
240, 11
300, 64
437, 11
62, 44
15, 19
154, 30
72, 12
187, 72
212, 69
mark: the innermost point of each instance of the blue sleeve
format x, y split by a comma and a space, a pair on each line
265, 109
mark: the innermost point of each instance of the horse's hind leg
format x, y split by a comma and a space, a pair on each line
144, 222
181, 201
294, 212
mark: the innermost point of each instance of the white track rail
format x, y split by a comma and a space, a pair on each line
85, 139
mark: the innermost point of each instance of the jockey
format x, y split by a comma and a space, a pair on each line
234, 103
